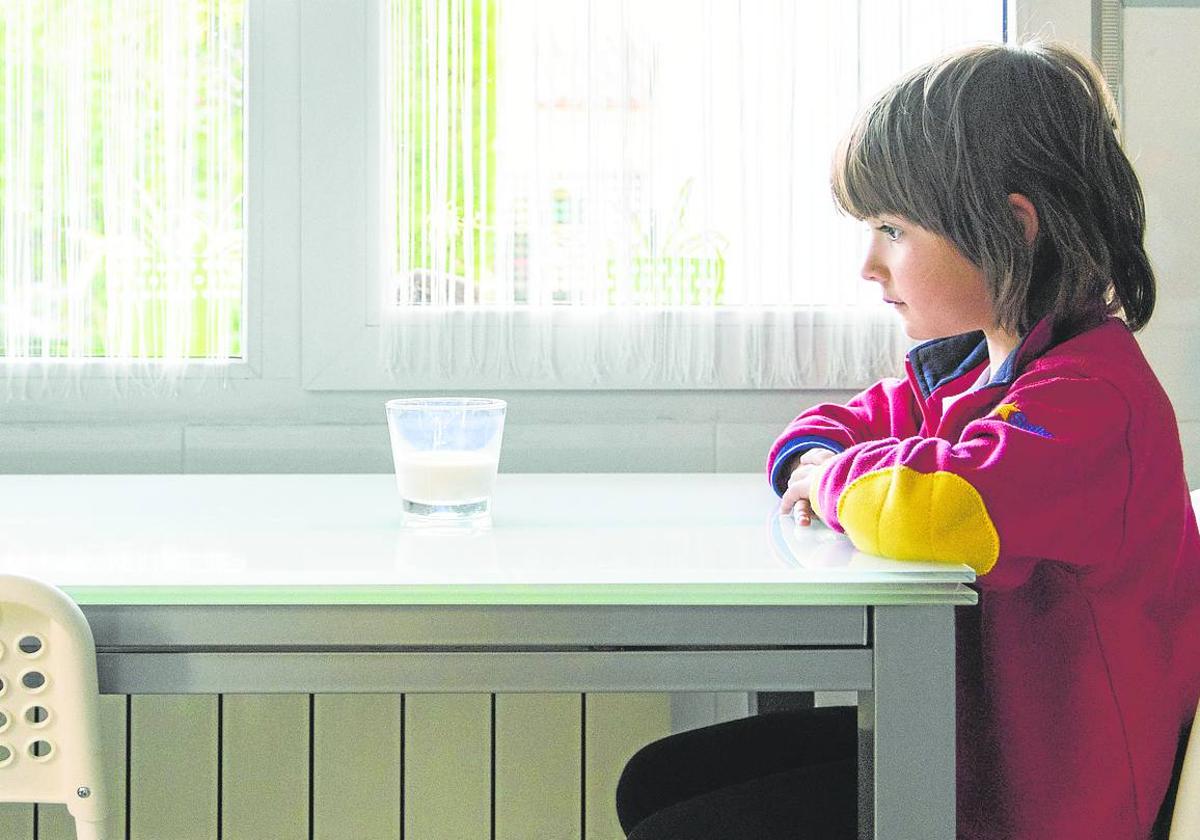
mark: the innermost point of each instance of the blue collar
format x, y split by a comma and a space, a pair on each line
941, 360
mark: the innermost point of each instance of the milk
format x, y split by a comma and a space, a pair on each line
446, 477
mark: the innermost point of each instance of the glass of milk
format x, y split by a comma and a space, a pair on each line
446, 451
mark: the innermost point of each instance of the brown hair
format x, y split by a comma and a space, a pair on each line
948, 143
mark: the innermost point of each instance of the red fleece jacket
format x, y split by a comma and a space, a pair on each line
1061, 482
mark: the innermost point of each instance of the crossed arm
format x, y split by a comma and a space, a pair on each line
1055, 454
802, 483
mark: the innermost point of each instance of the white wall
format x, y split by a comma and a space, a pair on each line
1161, 101
271, 423
1162, 119
1065, 20
279, 427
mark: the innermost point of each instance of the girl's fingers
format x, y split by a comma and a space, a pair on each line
797, 489
789, 499
802, 512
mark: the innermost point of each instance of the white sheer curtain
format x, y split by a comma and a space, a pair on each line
121, 224
634, 193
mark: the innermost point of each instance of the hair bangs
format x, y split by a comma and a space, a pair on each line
871, 174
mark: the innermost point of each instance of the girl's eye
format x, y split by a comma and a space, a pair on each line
892, 233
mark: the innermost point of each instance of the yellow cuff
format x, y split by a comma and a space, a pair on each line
908, 515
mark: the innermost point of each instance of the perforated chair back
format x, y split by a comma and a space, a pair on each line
49, 704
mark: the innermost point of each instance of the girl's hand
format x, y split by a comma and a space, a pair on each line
801, 485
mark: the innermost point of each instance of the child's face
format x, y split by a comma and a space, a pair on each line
937, 291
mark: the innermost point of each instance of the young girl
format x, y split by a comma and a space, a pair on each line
1029, 439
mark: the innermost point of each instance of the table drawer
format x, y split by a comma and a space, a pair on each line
470, 626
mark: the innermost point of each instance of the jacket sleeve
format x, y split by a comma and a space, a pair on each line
887, 409
1044, 476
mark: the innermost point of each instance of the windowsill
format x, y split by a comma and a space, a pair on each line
131, 369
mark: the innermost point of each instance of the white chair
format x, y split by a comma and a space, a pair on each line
49, 704
1185, 820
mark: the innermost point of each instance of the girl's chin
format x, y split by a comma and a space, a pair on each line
914, 332
924, 333
929, 335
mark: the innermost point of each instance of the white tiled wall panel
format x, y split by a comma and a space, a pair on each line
90, 448
743, 447
596, 447
282, 448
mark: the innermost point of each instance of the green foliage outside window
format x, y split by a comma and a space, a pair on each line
121, 178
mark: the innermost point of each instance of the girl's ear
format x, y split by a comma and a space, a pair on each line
1026, 214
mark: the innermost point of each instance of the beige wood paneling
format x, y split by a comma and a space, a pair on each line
447, 766
173, 767
356, 766
264, 774
617, 725
538, 766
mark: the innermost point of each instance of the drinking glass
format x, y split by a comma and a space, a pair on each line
446, 451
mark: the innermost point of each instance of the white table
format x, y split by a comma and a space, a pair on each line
228, 584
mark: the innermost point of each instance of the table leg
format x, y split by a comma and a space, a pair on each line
906, 727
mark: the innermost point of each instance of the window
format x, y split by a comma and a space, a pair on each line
121, 180
616, 195
499, 193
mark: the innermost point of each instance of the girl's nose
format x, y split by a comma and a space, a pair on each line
871, 269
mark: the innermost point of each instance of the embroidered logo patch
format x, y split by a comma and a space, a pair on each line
1011, 413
